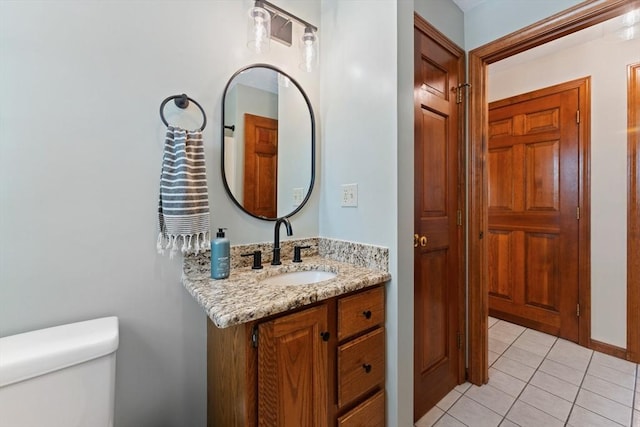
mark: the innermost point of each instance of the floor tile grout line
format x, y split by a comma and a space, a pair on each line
533, 385
575, 399
584, 373
635, 396
604, 397
599, 393
504, 417
447, 411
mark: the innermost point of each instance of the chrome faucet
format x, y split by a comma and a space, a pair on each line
276, 238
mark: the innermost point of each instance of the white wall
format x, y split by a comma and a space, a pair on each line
367, 138
294, 140
80, 87
359, 144
605, 60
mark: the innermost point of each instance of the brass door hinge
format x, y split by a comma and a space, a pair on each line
578, 213
577, 310
578, 116
459, 93
459, 340
254, 337
459, 217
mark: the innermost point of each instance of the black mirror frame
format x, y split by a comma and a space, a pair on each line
313, 143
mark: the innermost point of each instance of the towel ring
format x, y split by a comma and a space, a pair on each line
182, 101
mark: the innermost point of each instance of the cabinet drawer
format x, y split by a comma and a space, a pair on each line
360, 312
370, 413
360, 366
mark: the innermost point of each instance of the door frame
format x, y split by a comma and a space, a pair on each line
576, 18
633, 214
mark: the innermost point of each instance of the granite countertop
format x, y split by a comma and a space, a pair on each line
241, 297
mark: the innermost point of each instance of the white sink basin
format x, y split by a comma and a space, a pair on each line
299, 278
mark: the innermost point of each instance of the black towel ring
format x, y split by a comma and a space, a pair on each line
182, 101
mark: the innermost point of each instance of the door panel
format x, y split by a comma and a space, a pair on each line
501, 164
435, 310
292, 370
501, 277
438, 304
533, 198
542, 271
542, 185
434, 197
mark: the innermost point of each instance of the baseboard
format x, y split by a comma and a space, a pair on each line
609, 349
633, 357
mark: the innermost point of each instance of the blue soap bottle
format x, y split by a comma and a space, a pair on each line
220, 256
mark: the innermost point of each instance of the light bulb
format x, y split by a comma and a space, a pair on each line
309, 50
259, 30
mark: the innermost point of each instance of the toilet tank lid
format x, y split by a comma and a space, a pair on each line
35, 353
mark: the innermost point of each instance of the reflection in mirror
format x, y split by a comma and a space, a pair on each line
268, 149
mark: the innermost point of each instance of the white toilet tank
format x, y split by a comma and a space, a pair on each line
60, 377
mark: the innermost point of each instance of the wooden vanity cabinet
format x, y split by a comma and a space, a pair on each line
361, 359
322, 366
293, 351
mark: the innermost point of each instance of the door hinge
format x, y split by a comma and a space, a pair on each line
578, 116
459, 217
577, 310
459, 340
459, 92
578, 212
254, 337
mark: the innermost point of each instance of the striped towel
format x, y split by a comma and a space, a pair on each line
183, 208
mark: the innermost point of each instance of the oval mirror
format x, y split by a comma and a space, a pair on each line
268, 148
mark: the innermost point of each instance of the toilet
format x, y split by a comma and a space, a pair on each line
62, 376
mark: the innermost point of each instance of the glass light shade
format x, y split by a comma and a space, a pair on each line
309, 50
259, 30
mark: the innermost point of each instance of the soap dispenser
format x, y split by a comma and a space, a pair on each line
220, 256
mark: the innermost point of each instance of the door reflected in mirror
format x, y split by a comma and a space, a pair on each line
268, 149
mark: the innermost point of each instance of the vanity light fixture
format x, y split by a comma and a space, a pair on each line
625, 27
268, 21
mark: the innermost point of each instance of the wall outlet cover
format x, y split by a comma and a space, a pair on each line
298, 195
349, 197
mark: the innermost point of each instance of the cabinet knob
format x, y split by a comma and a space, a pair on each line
366, 367
367, 314
325, 336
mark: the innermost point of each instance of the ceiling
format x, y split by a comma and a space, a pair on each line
466, 5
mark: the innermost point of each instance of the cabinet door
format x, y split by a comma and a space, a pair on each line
292, 370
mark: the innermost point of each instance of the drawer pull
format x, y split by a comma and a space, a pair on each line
325, 336
366, 367
367, 314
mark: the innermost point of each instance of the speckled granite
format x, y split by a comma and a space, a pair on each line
368, 256
243, 298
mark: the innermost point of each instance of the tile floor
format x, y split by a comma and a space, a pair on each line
539, 380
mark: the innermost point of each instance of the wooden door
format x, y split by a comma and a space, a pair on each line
533, 165
292, 370
260, 165
438, 264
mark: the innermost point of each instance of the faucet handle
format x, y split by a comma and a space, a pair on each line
257, 259
296, 252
